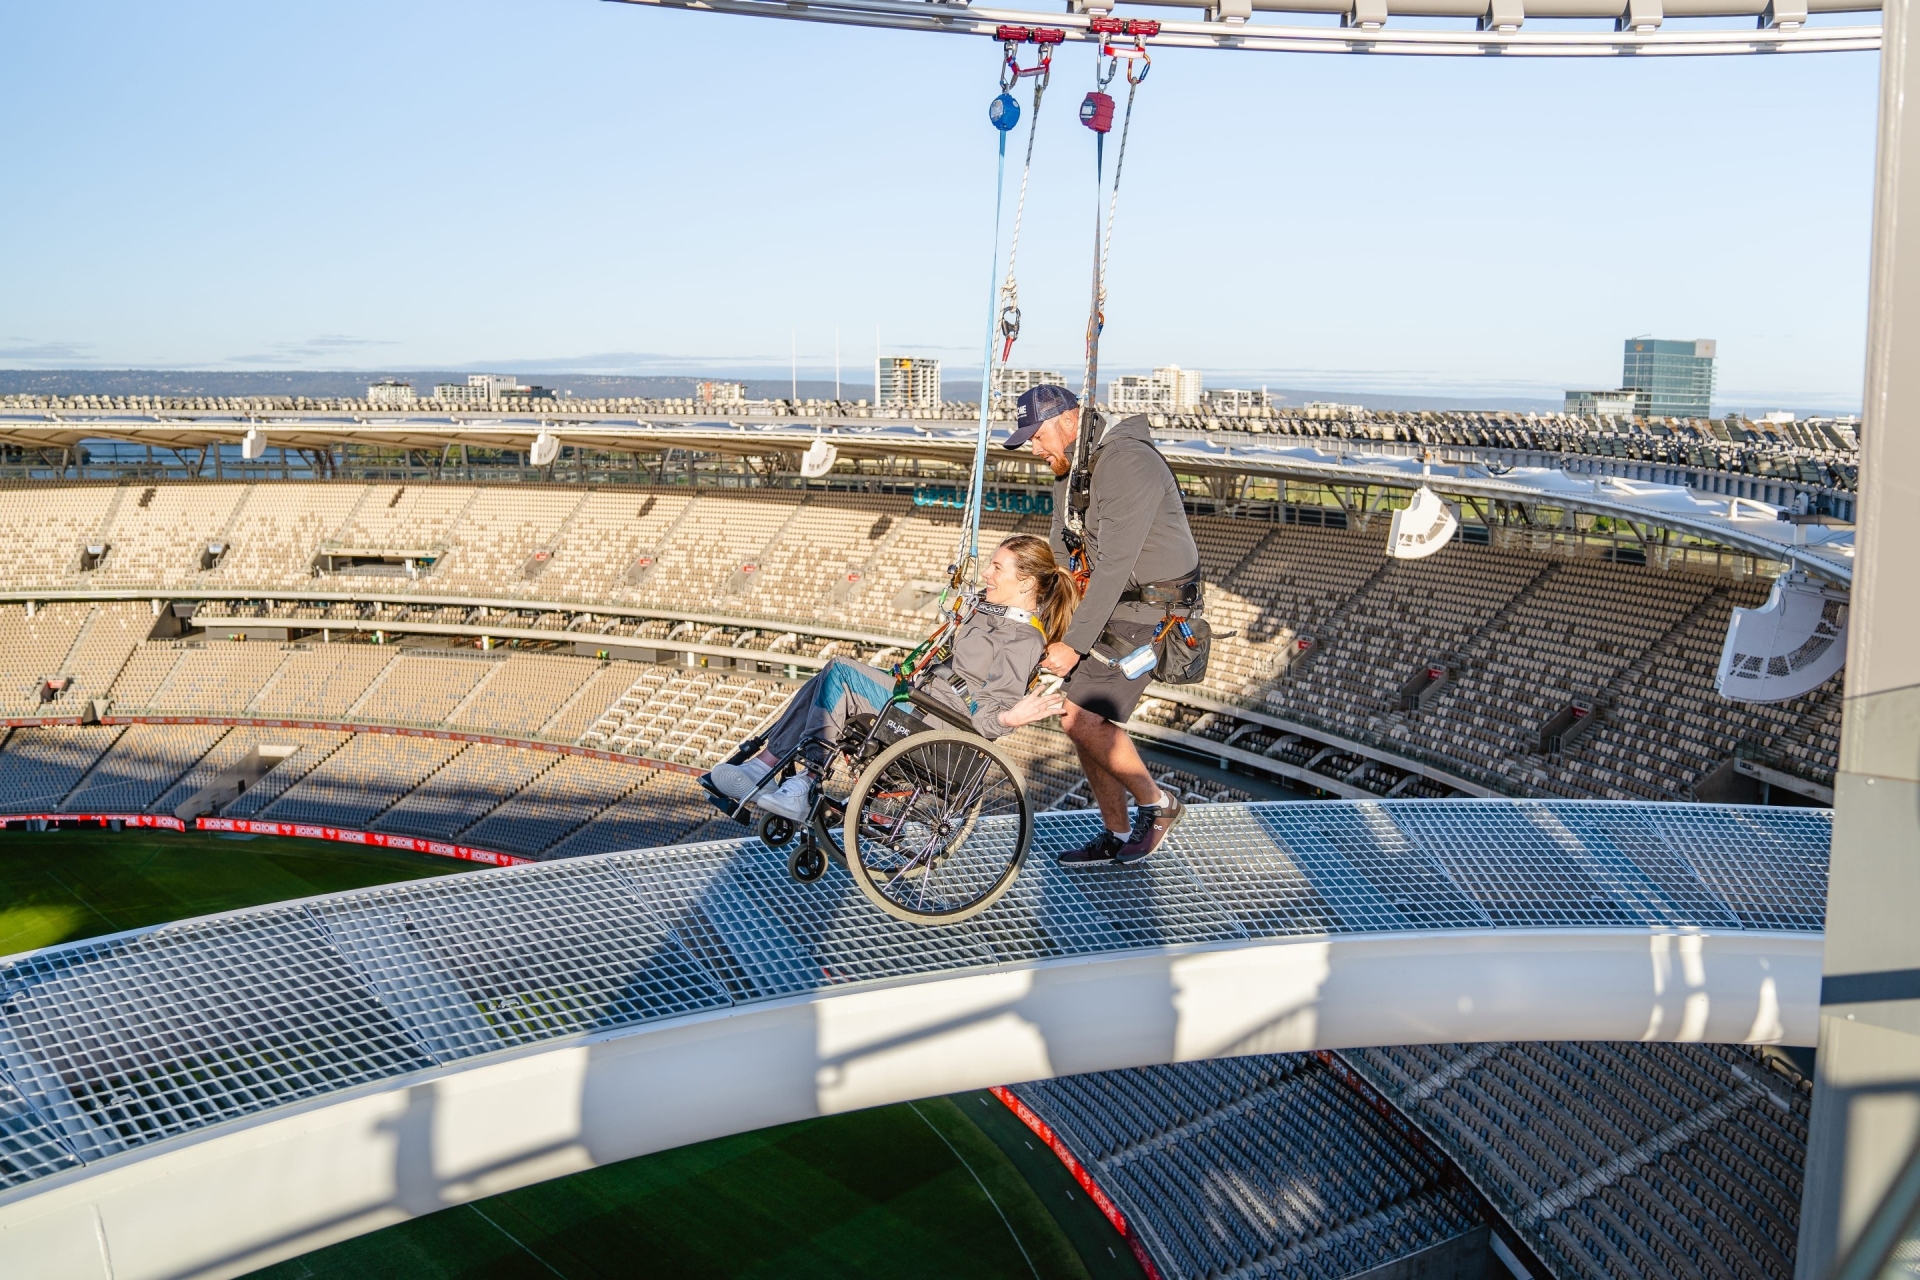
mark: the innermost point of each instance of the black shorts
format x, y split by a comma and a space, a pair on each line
1096, 687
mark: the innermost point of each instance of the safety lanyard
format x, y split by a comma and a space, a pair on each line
1096, 112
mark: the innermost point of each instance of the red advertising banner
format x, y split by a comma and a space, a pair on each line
164, 820
1044, 1131
312, 831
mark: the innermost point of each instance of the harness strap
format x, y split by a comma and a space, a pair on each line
1011, 612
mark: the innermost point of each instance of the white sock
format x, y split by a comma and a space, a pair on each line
756, 768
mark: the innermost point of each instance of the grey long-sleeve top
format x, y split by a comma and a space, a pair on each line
994, 657
1137, 524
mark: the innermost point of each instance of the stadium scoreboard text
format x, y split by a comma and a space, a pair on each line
1012, 501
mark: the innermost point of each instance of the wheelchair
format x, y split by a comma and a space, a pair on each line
930, 820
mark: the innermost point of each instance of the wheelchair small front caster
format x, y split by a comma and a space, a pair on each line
775, 831
807, 862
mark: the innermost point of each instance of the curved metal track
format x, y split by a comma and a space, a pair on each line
960, 19
206, 1097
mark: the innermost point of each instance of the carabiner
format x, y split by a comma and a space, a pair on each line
1010, 69
1009, 327
1146, 64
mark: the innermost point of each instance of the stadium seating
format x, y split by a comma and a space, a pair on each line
1614, 1161
1265, 1167
1619, 1160
1521, 631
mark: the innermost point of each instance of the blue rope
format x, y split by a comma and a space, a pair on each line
970, 535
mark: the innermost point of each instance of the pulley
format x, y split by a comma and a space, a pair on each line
1003, 112
1096, 111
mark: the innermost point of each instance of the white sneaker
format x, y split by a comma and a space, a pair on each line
739, 780
791, 799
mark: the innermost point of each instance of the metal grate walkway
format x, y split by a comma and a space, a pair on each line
112, 1043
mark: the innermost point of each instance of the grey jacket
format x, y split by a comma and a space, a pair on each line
1136, 524
993, 659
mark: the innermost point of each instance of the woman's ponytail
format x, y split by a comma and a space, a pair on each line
1056, 594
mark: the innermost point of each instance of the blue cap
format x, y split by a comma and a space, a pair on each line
1036, 405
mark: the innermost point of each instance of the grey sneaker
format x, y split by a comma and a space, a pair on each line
1151, 825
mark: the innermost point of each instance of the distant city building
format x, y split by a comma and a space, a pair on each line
717, 393
1236, 401
526, 393
390, 391
906, 382
1670, 379
479, 388
1168, 390
1011, 384
1610, 404
1327, 411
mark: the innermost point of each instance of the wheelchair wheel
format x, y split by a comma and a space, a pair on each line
775, 831
806, 863
937, 827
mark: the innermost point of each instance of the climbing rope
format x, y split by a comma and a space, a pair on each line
1003, 311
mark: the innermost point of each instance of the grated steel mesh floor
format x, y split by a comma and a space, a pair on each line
112, 1043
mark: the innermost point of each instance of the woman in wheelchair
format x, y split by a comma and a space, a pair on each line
1027, 601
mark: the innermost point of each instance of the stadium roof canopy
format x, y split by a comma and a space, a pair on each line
1742, 523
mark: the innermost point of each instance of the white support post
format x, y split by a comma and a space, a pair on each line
1367, 15
1640, 15
1503, 15
1866, 1101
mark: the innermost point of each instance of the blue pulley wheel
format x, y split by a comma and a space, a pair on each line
1004, 112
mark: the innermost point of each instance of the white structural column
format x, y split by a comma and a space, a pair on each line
1866, 1109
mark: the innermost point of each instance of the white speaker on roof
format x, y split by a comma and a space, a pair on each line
253, 445
1790, 645
818, 459
1421, 527
546, 447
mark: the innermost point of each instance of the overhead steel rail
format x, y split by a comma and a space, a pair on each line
1744, 524
1780, 26
207, 1097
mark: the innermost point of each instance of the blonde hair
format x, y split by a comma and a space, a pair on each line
1055, 593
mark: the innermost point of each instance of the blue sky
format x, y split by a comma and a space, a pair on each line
568, 184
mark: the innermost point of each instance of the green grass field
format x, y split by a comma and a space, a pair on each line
946, 1187
58, 886
917, 1190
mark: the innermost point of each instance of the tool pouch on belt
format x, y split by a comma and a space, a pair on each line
1182, 640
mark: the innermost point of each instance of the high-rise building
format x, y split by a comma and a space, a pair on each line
479, 388
390, 391
1011, 384
1670, 379
1237, 401
1602, 404
1168, 390
716, 393
906, 382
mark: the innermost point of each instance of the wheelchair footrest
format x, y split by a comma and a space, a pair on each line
726, 804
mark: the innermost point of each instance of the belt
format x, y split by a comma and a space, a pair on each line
1172, 593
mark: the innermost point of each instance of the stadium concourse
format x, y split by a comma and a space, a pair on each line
539, 670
